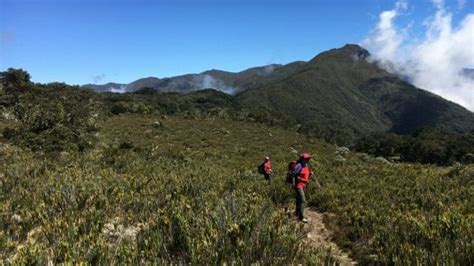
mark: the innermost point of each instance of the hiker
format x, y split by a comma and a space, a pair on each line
266, 169
301, 175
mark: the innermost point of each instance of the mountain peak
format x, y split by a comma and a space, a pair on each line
357, 51
348, 51
351, 47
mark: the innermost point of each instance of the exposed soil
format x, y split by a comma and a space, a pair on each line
321, 236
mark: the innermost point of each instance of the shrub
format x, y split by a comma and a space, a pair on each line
53, 117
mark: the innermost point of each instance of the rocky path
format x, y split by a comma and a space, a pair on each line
321, 236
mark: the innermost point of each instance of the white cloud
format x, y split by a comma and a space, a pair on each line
120, 89
205, 81
438, 3
434, 62
385, 39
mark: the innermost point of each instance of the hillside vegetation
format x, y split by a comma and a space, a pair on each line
427, 146
186, 191
166, 178
231, 82
340, 95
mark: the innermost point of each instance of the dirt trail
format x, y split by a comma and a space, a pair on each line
319, 235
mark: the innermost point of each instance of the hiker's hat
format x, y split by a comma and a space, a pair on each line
306, 156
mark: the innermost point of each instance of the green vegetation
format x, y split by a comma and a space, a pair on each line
402, 214
171, 178
338, 96
51, 118
427, 146
184, 192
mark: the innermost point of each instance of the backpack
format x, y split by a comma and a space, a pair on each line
289, 177
261, 169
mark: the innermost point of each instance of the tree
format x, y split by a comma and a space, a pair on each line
15, 80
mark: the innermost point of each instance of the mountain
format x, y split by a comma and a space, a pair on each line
256, 77
108, 87
338, 95
150, 82
341, 91
228, 82
225, 81
170, 177
133, 86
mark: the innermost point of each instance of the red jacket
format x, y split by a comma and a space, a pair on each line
303, 177
267, 166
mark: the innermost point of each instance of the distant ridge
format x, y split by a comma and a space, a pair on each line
228, 82
337, 89
341, 90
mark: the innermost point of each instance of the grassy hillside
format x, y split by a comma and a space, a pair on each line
409, 108
231, 82
188, 191
402, 214
166, 178
338, 96
185, 191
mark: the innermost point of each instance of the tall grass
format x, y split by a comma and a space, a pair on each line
403, 214
187, 192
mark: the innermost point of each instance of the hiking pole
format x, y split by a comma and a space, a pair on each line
316, 180
317, 183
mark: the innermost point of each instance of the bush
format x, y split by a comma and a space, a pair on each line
144, 199
53, 117
427, 146
131, 107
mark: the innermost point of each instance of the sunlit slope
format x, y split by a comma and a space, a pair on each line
339, 94
185, 189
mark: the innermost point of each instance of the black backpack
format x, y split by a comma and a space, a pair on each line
261, 169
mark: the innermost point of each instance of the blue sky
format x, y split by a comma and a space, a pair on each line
98, 41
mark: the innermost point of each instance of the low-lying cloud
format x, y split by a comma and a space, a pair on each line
437, 61
206, 81
120, 89
268, 70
